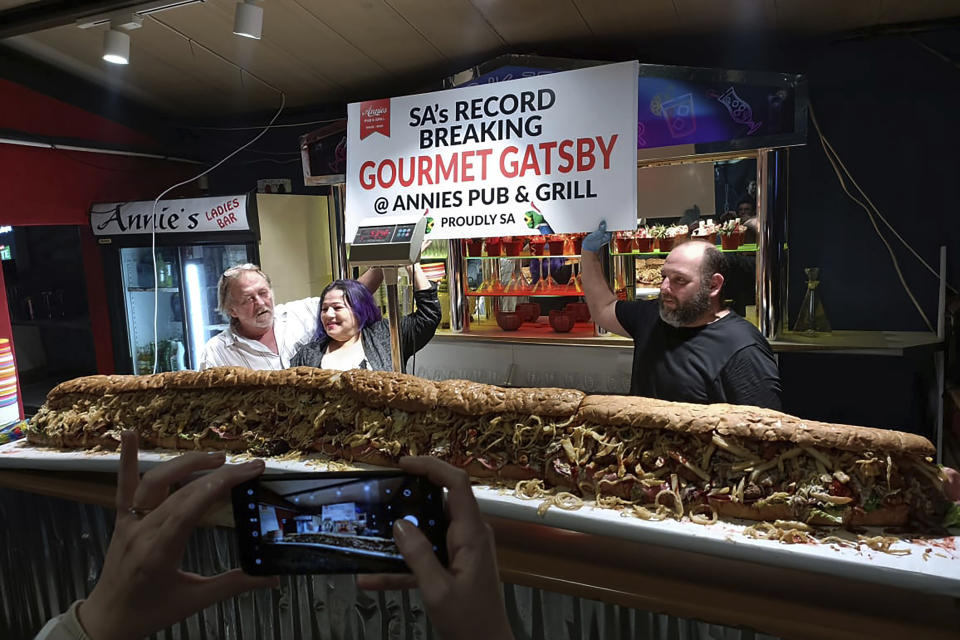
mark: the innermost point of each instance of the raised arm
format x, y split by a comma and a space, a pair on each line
418, 278
601, 301
371, 279
419, 327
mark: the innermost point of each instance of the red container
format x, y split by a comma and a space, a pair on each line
666, 244
493, 246
529, 311
509, 320
577, 240
644, 245
711, 238
624, 245
556, 246
730, 241
579, 311
474, 247
512, 247
561, 322
536, 245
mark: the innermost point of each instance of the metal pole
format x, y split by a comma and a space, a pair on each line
336, 223
771, 274
393, 311
939, 372
456, 277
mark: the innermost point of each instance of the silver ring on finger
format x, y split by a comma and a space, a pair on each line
139, 512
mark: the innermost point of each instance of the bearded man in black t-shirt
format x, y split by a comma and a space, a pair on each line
687, 346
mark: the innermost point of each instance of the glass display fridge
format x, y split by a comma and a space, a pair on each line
163, 302
183, 303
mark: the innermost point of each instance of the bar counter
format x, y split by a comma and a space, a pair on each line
783, 602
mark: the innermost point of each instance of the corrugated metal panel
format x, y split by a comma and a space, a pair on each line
51, 552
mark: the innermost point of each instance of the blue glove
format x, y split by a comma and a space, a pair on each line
596, 239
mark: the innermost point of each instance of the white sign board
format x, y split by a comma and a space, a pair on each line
340, 511
186, 215
553, 153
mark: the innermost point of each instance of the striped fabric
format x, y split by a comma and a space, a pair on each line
9, 408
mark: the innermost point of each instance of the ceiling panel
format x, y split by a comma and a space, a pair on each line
379, 32
213, 28
727, 15
187, 61
455, 27
628, 17
306, 38
522, 22
824, 16
893, 11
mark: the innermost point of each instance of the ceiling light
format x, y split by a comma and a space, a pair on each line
116, 46
248, 20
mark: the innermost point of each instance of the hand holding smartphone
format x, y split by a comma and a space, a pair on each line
334, 522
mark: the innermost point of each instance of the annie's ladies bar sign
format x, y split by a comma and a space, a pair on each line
551, 152
187, 215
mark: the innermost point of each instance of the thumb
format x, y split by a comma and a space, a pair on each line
419, 554
602, 227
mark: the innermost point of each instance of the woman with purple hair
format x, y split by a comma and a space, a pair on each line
351, 333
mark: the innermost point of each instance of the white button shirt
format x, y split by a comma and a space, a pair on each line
294, 324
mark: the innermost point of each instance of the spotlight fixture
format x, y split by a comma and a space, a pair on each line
116, 46
116, 42
248, 20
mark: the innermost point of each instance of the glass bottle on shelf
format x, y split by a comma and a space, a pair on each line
161, 273
812, 319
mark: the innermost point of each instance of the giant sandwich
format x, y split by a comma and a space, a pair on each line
734, 461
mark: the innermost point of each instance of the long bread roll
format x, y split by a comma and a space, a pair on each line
738, 461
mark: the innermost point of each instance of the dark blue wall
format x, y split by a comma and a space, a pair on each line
887, 106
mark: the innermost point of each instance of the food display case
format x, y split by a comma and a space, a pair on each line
706, 189
531, 282
523, 286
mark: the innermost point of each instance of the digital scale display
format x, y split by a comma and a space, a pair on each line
384, 234
388, 242
374, 235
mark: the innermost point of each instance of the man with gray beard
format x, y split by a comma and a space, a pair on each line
687, 346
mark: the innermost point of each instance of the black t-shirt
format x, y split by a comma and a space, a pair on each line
725, 361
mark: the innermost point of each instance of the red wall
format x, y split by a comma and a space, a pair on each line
52, 187
30, 112
47, 186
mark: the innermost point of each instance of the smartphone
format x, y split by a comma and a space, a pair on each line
336, 522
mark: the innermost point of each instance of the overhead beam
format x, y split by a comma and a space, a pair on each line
47, 14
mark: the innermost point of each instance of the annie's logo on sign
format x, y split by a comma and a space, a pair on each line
182, 215
375, 117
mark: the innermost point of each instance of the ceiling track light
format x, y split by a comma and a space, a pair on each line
142, 9
116, 45
248, 20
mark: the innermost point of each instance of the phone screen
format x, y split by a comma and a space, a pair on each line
337, 522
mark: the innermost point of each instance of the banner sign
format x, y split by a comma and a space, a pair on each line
187, 215
546, 154
712, 107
